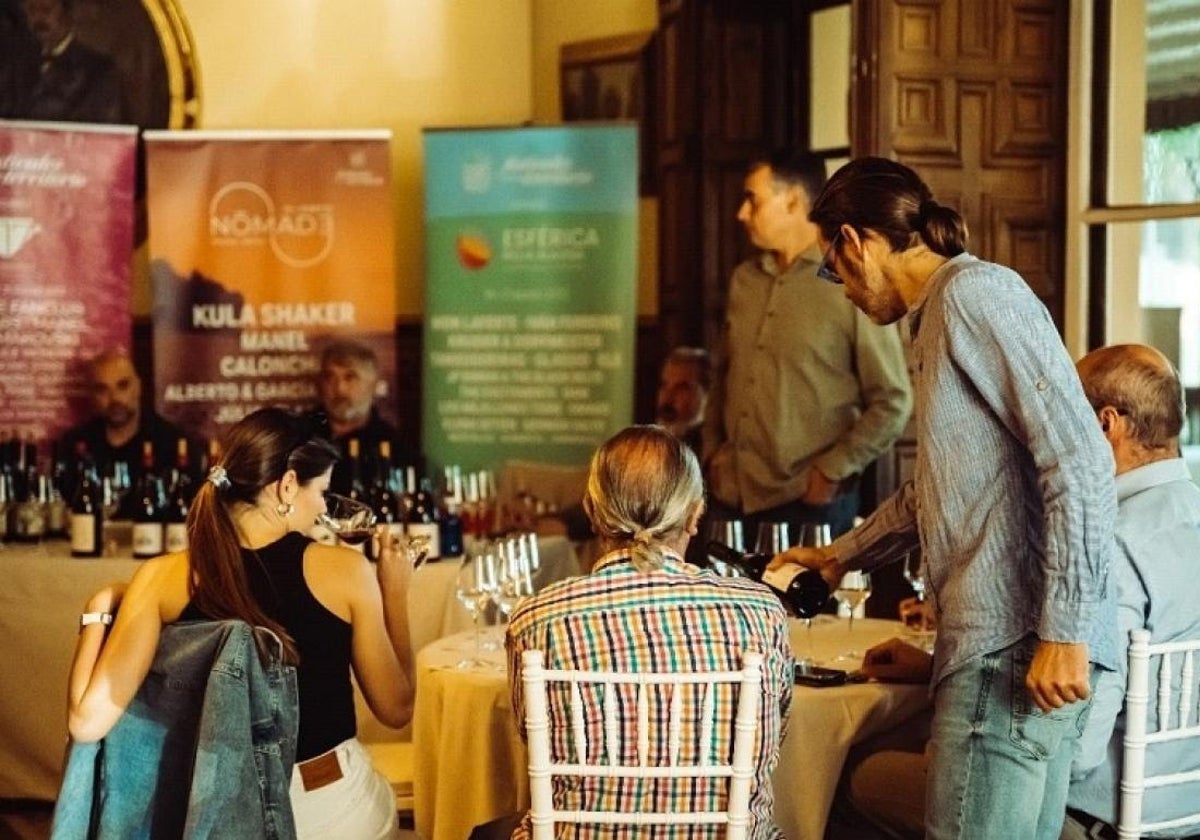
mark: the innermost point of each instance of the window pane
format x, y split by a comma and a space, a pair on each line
1160, 303
1155, 104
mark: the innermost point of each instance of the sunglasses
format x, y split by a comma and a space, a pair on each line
823, 270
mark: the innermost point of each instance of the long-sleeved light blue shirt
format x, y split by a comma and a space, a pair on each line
1012, 499
1156, 569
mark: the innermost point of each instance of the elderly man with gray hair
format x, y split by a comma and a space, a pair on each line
641, 608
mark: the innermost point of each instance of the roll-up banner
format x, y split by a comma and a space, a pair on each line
66, 241
530, 292
265, 246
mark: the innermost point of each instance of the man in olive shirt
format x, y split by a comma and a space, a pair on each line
807, 390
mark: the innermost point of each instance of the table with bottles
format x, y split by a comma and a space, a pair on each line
470, 762
43, 594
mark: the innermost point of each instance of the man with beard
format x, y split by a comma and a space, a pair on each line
683, 385
346, 387
75, 83
1011, 502
120, 426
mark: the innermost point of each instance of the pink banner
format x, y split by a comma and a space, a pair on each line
66, 241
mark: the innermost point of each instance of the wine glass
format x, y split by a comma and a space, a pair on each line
914, 573
772, 538
727, 532
473, 588
853, 592
812, 535
347, 519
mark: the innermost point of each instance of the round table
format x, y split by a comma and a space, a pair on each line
471, 765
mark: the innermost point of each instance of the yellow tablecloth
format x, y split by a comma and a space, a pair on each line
471, 764
42, 591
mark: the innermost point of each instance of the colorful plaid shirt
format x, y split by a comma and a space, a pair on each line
676, 618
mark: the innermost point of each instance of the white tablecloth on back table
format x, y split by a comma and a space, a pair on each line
42, 591
471, 765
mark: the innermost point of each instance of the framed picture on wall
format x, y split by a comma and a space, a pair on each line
613, 79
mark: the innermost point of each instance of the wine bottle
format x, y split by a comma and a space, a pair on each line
803, 591
357, 490
383, 498
452, 524
179, 500
87, 511
149, 536
423, 519
27, 520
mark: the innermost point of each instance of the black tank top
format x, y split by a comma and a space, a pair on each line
276, 576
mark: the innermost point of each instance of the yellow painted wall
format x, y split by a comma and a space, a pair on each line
398, 64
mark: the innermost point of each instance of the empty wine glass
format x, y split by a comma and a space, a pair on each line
727, 532
473, 588
772, 538
914, 573
812, 535
852, 592
347, 519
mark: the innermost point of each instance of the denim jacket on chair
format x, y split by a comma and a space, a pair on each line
205, 750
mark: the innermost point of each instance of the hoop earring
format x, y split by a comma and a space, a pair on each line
285, 509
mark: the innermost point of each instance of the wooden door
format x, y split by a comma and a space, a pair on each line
973, 95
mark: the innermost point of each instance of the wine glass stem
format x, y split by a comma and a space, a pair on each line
478, 642
808, 638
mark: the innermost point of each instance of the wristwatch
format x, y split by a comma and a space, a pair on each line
95, 618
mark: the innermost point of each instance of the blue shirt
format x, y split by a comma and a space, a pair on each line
1012, 499
1156, 569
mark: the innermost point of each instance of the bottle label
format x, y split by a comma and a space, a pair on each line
176, 537
83, 533
147, 539
431, 530
781, 577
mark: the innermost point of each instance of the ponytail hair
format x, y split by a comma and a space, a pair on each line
259, 449
643, 486
889, 198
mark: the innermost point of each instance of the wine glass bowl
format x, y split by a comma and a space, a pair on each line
347, 519
772, 538
852, 592
473, 587
814, 534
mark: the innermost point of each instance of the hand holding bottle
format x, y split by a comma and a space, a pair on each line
820, 559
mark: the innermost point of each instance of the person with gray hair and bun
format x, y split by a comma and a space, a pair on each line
642, 608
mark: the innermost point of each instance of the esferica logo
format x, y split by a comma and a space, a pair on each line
243, 214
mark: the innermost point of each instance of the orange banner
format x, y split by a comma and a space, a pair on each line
264, 247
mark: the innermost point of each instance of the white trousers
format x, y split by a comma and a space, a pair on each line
358, 806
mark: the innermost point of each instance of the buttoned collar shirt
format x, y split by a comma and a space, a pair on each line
676, 618
1012, 500
1156, 568
803, 380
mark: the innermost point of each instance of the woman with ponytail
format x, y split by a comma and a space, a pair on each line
1011, 504
250, 557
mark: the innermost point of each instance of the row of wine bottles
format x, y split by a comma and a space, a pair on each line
159, 506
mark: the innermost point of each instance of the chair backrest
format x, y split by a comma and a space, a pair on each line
1177, 717
685, 702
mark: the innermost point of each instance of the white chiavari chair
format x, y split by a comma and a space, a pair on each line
1177, 717
603, 760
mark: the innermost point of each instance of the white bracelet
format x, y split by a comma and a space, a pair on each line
87, 618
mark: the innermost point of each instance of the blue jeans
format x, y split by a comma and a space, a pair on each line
999, 766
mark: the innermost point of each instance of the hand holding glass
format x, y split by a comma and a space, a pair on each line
348, 519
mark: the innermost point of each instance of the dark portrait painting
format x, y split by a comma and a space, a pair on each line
96, 61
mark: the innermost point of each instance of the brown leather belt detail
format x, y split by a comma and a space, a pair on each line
323, 770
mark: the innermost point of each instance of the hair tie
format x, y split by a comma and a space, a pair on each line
643, 536
926, 209
219, 478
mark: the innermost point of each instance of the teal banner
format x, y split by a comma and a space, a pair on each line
530, 292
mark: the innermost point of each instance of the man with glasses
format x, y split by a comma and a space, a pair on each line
1011, 502
807, 391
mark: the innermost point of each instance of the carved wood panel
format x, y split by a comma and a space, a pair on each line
972, 94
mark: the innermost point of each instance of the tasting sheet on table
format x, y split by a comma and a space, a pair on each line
471, 763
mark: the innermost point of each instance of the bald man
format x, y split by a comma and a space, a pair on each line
120, 425
1138, 400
